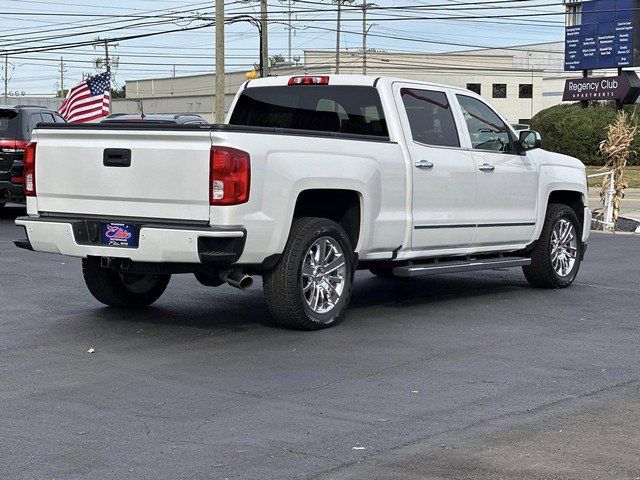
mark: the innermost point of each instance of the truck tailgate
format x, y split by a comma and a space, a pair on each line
167, 177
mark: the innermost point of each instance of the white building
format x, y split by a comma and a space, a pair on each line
519, 81
188, 94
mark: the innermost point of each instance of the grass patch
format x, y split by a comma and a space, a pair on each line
631, 176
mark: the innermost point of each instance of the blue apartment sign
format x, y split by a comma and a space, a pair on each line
602, 34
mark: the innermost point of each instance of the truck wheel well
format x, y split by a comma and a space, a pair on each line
571, 199
341, 206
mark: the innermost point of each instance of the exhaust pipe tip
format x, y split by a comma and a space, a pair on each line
237, 279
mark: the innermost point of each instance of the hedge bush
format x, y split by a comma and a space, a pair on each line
577, 131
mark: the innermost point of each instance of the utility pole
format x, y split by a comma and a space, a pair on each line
264, 35
62, 77
6, 78
220, 103
364, 37
338, 37
290, 58
365, 32
106, 55
338, 27
107, 61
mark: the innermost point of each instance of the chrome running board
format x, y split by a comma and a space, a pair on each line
456, 265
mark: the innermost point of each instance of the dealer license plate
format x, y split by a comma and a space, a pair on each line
118, 235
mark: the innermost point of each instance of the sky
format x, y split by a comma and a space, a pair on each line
29, 24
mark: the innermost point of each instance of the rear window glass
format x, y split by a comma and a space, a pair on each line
340, 109
8, 123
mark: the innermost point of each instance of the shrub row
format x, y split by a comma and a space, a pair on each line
577, 131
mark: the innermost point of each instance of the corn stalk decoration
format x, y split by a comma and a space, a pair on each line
616, 149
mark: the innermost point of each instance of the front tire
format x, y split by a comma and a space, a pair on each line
310, 287
555, 260
122, 290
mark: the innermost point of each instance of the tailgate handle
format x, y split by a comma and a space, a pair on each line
117, 157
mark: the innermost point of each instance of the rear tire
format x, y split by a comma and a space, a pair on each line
555, 260
122, 290
310, 287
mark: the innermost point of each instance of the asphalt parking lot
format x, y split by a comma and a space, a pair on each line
455, 377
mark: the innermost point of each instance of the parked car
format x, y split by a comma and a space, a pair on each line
16, 126
312, 178
187, 119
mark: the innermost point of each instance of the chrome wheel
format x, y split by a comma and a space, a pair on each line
323, 275
564, 247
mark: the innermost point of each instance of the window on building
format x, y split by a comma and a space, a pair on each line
573, 17
499, 90
474, 87
430, 117
486, 128
526, 90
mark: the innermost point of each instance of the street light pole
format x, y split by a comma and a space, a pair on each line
219, 104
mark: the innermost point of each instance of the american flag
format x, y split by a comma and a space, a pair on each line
89, 100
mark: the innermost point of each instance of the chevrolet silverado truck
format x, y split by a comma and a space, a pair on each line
310, 178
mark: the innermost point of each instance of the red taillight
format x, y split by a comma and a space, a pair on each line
309, 80
30, 169
229, 176
12, 146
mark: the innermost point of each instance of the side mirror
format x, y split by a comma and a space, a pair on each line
530, 140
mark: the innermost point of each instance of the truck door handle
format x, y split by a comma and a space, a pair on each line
424, 164
116, 157
486, 167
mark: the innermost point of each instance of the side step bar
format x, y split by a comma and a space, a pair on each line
452, 266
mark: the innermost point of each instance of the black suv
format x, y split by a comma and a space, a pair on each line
16, 125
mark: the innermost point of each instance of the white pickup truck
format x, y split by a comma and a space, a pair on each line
311, 178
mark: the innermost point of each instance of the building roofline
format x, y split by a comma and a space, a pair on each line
510, 47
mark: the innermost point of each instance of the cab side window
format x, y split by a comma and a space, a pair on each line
34, 120
486, 129
430, 117
47, 118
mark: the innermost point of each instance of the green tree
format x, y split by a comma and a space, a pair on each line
119, 92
